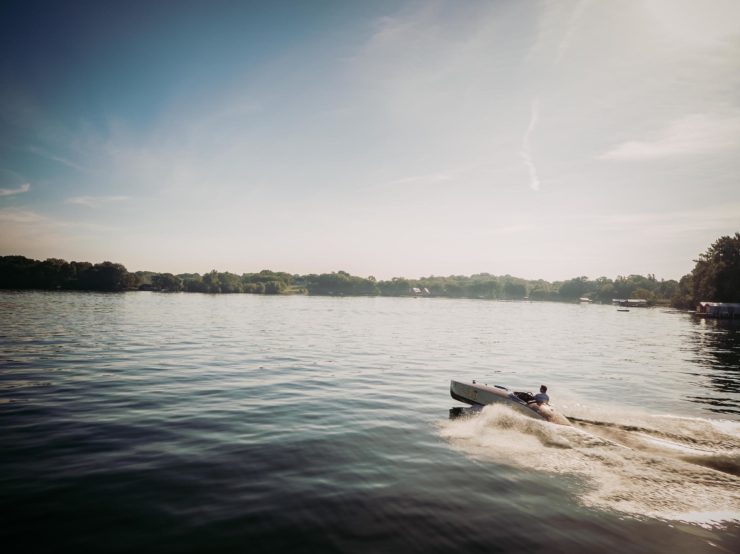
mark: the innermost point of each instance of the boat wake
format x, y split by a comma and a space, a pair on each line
669, 468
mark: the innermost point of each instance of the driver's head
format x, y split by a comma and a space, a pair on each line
543, 388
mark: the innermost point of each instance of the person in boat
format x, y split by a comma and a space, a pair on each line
541, 397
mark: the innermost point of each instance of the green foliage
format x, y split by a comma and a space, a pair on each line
266, 282
19, 272
230, 282
166, 282
107, 276
274, 287
514, 290
644, 294
605, 290
192, 282
211, 281
683, 298
398, 286
484, 286
574, 288
341, 283
715, 277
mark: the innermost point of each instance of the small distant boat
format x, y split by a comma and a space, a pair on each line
623, 310
584, 300
477, 394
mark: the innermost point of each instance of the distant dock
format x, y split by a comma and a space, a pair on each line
630, 302
718, 310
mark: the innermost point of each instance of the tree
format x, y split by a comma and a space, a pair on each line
573, 288
105, 277
230, 282
211, 282
683, 298
542, 291
483, 286
644, 294
605, 292
274, 287
514, 291
193, 282
716, 275
167, 282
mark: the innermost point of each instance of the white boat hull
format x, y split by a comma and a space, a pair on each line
477, 394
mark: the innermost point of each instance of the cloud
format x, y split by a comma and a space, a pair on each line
27, 232
699, 24
558, 24
95, 201
570, 30
20, 190
415, 180
58, 159
38, 235
691, 134
14, 215
714, 219
526, 152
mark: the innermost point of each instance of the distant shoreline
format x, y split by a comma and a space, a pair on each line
715, 278
21, 273
656, 304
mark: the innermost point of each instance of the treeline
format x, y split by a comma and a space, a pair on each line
716, 277
487, 286
18, 272
264, 282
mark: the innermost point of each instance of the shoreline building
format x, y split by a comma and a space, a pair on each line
718, 310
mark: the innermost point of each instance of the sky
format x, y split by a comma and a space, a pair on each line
541, 139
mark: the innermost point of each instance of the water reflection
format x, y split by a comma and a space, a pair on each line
716, 347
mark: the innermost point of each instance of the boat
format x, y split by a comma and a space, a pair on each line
479, 395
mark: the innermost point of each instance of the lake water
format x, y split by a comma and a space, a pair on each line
190, 422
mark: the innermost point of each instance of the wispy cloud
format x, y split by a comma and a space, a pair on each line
415, 180
570, 30
696, 24
40, 235
558, 25
691, 134
15, 215
526, 151
58, 159
714, 219
95, 201
20, 190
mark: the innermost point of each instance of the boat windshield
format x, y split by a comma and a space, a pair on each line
525, 396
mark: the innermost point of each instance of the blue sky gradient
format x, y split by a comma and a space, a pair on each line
541, 139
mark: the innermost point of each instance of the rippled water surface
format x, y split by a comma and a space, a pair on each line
189, 422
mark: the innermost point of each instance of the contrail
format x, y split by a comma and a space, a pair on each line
575, 18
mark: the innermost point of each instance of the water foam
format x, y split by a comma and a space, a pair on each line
675, 469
